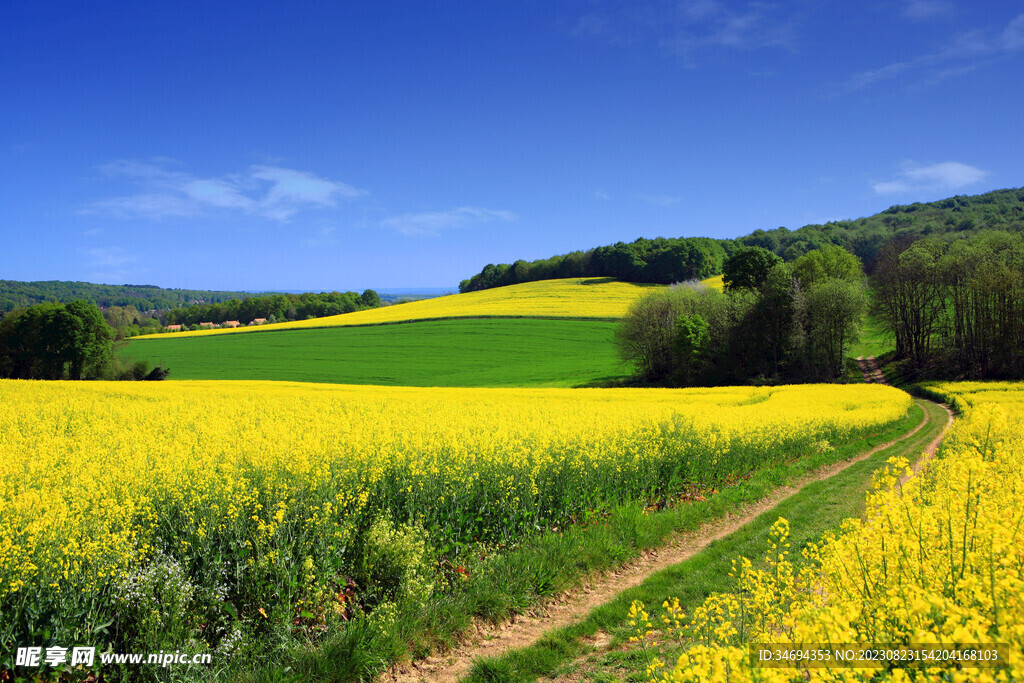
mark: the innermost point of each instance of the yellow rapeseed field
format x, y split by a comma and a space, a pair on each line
937, 561
599, 298
715, 282
256, 494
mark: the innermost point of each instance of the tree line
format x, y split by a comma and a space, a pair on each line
774, 322
954, 309
946, 220
274, 308
15, 294
63, 341
661, 260
669, 260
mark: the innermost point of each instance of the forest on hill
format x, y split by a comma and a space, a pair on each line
15, 294
947, 220
171, 305
274, 308
667, 260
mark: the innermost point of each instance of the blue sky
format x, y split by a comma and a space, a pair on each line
345, 145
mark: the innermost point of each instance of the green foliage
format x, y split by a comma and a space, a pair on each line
499, 585
647, 335
669, 260
659, 260
279, 307
954, 308
766, 327
834, 308
815, 510
157, 607
14, 294
469, 352
121, 316
693, 339
747, 268
946, 220
370, 299
132, 310
397, 565
54, 341
829, 262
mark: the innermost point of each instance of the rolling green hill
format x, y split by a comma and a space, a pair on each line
666, 260
15, 294
594, 298
463, 352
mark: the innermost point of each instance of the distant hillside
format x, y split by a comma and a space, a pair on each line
948, 218
658, 261
666, 260
14, 294
593, 298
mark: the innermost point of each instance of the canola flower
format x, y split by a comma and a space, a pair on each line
256, 494
716, 282
600, 298
937, 559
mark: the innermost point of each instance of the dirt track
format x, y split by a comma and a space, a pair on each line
869, 368
571, 606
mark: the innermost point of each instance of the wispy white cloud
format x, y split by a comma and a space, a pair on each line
322, 237
659, 199
109, 264
927, 9
963, 52
435, 222
109, 257
1012, 37
688, 28
272, 192
601, 194
922, 178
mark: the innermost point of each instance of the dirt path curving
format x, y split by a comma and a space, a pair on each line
918, 466
869, 368
569, 607
873, 375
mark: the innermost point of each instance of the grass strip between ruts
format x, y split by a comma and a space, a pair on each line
519, 580
819, 507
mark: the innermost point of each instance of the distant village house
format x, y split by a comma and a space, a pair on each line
258, 321
230, 323
174, 328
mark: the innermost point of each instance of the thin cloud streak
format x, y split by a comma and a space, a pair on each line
271, 192
109, 263
920, 178
324, 237
435, 222
689, 29
967, 51
659, 199
927, 9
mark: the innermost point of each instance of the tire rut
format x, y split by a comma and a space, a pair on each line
489, 640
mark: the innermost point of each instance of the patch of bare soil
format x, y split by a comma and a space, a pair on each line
569, 607
921, 464
869, 368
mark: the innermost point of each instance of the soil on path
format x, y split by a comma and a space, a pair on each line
569, 607
873, 375
869, 368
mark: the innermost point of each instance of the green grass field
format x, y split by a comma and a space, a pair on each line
873, 340
449, 353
